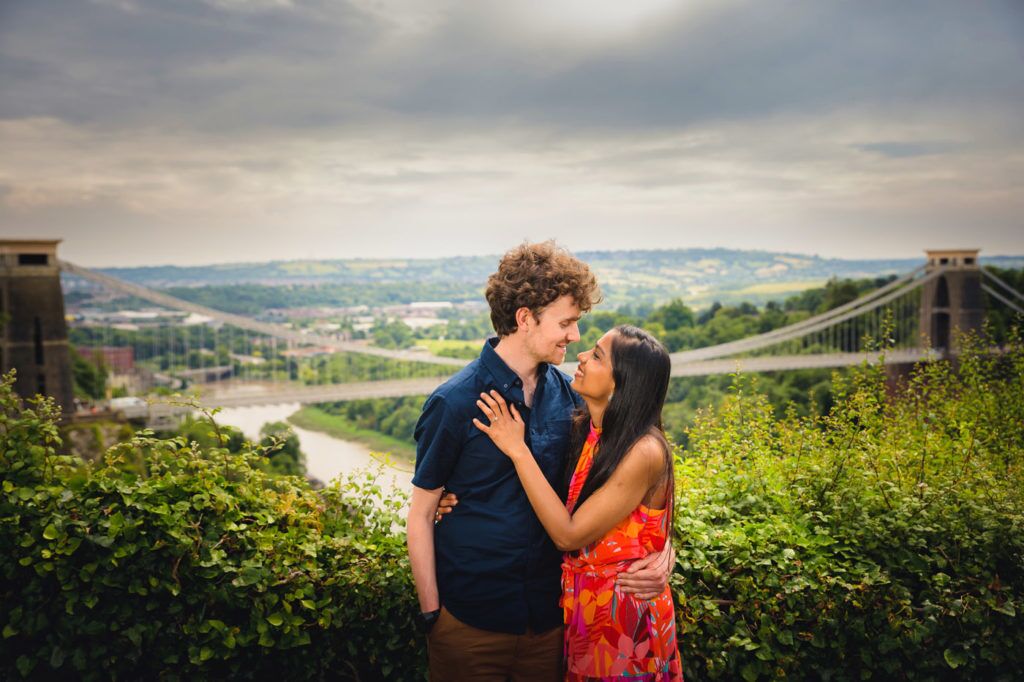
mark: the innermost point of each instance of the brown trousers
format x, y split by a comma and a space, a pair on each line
461, 652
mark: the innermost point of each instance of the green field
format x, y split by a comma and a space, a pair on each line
388, 450
758, 294
435, 346
779, 287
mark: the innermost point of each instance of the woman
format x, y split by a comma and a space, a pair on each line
618, 508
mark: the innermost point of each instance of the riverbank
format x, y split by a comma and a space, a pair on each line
385, 449
327, 457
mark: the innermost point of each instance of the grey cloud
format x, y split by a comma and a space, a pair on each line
824, 124
904, 150
763, 59
321, 64
187, 64
410, 177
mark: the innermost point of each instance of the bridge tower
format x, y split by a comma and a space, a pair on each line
33, 331
953, 300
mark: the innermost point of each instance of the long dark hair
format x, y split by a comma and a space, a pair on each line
640, 368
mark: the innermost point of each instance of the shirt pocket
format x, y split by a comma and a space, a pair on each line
551, 443
482, 463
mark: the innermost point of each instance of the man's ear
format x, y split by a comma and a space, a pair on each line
525, 318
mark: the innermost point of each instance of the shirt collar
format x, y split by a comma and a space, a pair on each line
506, 380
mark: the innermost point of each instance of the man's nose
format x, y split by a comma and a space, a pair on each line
574, 333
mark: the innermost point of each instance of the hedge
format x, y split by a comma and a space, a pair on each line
883, 540
200, 567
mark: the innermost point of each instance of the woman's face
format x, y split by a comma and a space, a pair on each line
593, 378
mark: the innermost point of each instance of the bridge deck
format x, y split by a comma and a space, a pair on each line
268, 394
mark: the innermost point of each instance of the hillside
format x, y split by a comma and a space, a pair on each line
698, 276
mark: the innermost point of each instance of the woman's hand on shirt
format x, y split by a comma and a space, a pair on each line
506, 428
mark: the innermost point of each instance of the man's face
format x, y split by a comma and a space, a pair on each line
552, 330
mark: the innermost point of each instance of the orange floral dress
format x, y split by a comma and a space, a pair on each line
611, 635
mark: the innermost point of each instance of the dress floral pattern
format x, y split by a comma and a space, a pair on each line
610, 635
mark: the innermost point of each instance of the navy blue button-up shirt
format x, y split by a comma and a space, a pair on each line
497, 569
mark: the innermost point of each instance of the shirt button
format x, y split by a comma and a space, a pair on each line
506, 385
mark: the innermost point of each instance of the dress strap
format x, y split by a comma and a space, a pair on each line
583, 464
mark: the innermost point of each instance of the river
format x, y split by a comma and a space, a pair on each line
327, 457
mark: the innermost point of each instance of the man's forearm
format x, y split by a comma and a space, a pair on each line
647, 577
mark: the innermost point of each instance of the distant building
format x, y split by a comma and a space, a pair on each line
431, 305
307, 352
419, 322
116, 359
34, 337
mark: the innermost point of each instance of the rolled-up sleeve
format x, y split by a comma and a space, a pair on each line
437, 444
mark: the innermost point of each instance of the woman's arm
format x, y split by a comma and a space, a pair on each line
612, 502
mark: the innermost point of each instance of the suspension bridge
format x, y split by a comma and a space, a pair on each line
917, 312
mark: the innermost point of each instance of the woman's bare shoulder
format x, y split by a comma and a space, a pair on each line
649, 453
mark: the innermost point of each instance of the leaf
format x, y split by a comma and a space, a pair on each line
50, 532
24, 665
954, 659
276, 619
1007, 608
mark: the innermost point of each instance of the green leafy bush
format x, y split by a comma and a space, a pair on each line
395, 417
282, 448
884, 540
201, 566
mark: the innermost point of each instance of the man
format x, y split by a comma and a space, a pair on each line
488, 577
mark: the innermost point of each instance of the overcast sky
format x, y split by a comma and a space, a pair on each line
198, 131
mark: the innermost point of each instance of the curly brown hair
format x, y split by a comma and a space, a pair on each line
533, 276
